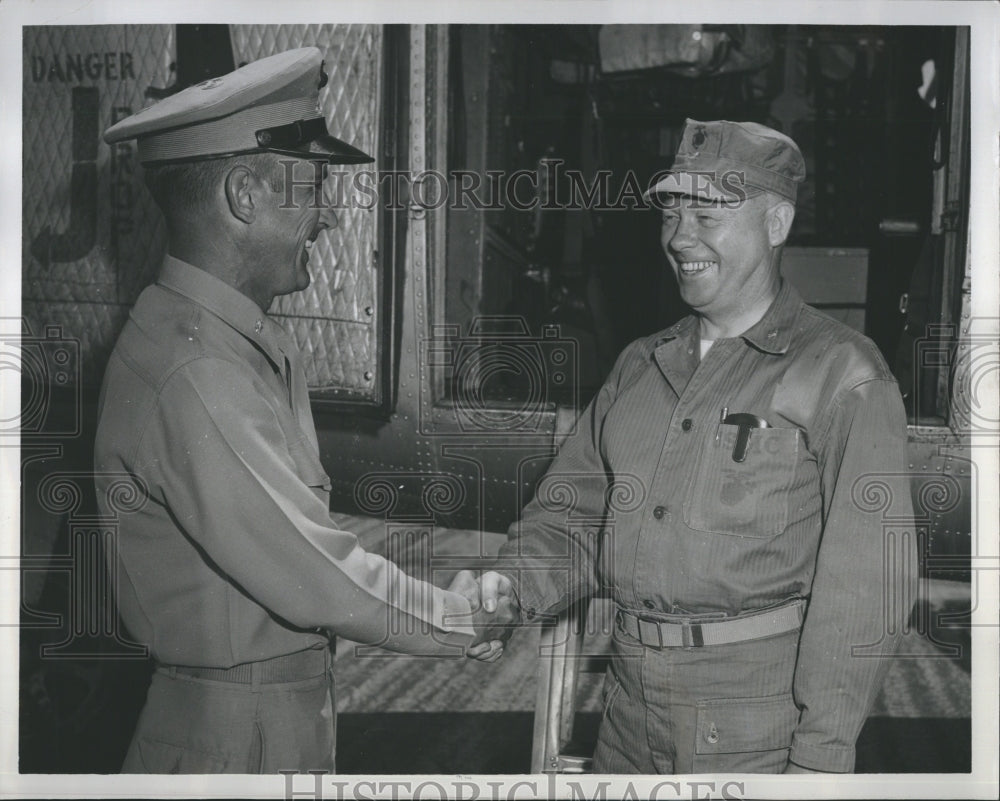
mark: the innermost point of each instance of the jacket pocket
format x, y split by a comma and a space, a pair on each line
748, 498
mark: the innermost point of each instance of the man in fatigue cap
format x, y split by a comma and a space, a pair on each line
232, 572
758, 596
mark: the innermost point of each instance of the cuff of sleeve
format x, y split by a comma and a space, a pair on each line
529, 598
827, 758
453, 614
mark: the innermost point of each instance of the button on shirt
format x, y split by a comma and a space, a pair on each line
681, 523
233, 557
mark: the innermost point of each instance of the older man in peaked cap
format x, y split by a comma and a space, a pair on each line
758, 595
232, 572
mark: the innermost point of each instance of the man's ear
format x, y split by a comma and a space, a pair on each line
239, 181
779, 222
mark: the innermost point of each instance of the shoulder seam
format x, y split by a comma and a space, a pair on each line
158, 390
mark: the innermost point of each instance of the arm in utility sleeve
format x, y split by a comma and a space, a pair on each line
550, 562
865, 579
226, 472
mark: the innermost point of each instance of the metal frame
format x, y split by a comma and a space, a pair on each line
560, 662
389, 259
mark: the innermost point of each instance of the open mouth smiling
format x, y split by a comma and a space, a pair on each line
694, 267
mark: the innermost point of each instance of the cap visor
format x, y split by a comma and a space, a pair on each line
329, 149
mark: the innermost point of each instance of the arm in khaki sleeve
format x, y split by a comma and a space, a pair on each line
231, 483
549, 564
865, 579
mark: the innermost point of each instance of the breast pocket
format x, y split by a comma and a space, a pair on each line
748, 498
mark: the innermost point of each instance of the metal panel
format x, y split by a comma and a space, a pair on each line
335, 321
92, 237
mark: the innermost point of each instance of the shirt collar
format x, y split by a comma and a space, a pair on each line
771, 334
228, 304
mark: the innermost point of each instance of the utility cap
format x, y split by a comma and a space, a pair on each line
723, 161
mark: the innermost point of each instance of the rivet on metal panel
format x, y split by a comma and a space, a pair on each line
368, 375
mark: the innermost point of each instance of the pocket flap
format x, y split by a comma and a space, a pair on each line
735, 725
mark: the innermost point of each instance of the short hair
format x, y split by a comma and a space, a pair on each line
189, 185
771, 199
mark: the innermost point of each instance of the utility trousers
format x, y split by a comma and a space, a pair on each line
708, 709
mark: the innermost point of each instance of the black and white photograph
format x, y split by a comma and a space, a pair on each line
569, 399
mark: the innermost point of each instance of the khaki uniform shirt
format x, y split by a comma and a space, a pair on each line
646, 503
233, 556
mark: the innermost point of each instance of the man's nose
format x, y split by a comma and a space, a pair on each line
327, 217
683, 237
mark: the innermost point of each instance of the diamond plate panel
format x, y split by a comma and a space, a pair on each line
336, 319
92, 237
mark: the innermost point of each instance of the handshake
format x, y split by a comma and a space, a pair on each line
495, 611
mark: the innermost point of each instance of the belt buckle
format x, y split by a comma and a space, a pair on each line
656, 626
691, 634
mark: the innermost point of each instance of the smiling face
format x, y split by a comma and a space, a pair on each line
291, 216
723, 257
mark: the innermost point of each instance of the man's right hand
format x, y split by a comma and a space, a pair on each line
495, 612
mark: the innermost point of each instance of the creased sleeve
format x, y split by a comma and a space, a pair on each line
226, 472
865, 577
550, 558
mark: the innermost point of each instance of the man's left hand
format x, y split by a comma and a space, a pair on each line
493, 616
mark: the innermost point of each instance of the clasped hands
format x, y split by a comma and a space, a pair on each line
495, 611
